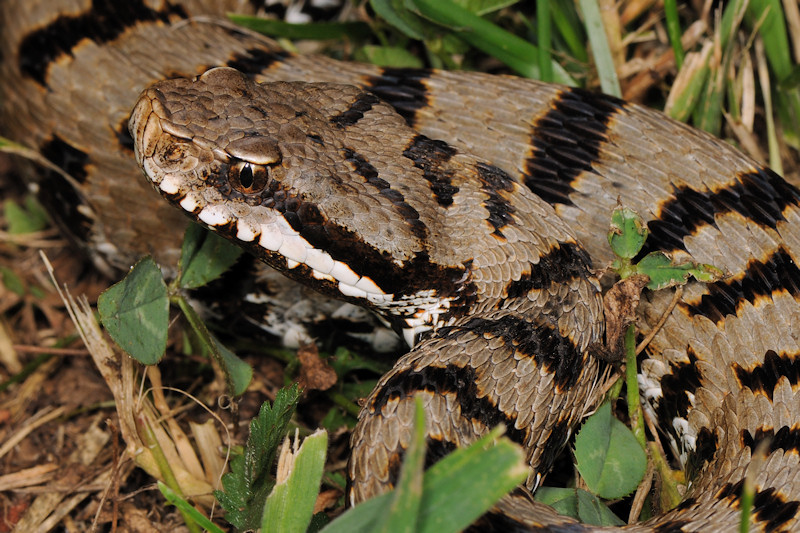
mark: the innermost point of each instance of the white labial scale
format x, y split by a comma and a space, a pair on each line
351, 291
215, 215
366, 284
245, 231
294, 248
170, 184
344, 274
320, 261
380, 298
271, 237
190, 202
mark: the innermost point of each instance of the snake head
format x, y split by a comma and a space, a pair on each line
291, 172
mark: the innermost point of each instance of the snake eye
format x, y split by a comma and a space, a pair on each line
248, 178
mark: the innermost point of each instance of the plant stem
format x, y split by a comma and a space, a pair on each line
631, 381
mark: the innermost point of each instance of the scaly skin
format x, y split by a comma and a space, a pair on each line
722, 371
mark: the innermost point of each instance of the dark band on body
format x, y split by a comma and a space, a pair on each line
432, 157
678, 386
760, 196
402, 88
410, 215
493, 182
566, 140
779, 273
355, 112
764, 377
770, 508
257, 60
786, 439
461, 382
534, 338
60, 195
561, 265
104, 22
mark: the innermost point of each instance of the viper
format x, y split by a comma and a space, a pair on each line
475, 234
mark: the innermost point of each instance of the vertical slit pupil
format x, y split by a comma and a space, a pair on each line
246, 178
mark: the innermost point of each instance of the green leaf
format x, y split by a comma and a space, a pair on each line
188, 509
563, 500
592, 511
455, 491
601, 50
515, 52
393, 12
468, 482
484, 7
406, 498
12, 281
664, 273
608, 456
290, 505
135, 312
312, 30
628, 233
204, 257
344, 361
238, 374
388, 56
26, 218
361, 518
246, 486
578, 504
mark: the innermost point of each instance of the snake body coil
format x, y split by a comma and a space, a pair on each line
391, 196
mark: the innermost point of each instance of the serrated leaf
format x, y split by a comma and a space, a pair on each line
246, 486
135, 312
627, 234
204, 257
289, 507
664, 273
609, 458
